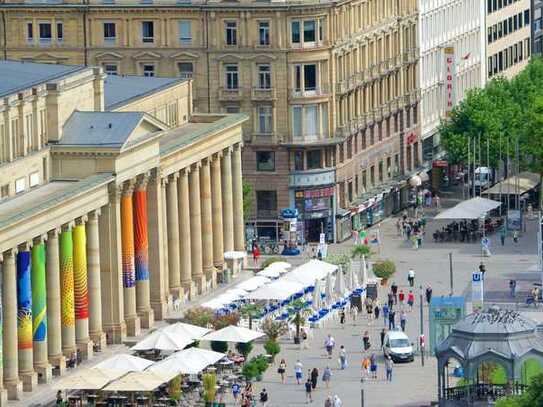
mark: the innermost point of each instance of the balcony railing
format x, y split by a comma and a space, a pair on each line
308, 93
226, 94
263, 94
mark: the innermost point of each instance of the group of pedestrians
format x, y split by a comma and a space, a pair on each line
411, 229
247, 398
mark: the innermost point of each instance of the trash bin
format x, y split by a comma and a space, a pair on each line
372, 291
356, 301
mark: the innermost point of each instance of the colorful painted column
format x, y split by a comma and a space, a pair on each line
67, 292
39, 313
141, 250
128, 264
24, 321
10, 354
81, 295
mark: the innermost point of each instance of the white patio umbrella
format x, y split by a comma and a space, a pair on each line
281, 266
364, 272
329, 289
349, 284
270, 273
233, 333
140, 381
124, 363
253, 283
180, 329
188, 361
317, 296
339, 287
87, 379
162, 340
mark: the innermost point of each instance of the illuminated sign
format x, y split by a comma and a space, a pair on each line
449, 79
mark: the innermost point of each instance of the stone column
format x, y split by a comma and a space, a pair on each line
227, 209
111, 268
237, 198
24, 319
165, 258
141, 251
39, 312
3, 391
173, 235
207, 223
129, 268
54, 337
67, 311
196, 228
184, 233
9, 331
81, 293
216, 201
95, 284
155, 218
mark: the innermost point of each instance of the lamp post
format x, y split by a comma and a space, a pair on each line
421, 339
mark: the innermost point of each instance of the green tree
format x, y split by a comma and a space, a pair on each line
532, 141
250, 311
298, 314
248, 199
532, 397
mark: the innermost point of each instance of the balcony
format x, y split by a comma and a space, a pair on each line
312, 178
318, 92
230, 95
259, 94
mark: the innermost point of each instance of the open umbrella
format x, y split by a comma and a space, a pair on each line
140, 381
317, 295
87, 379
180, 329
329, 289
162, 340
233, 333
281, 266
269, 273
253, 283
188, 361
339, 287
124, 363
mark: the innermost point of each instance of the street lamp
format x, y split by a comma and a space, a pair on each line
421, 338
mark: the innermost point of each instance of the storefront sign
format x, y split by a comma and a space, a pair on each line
315, 193
411, 138
313, 178
449, 79
440, 164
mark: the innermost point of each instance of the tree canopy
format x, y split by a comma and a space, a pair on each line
532, 397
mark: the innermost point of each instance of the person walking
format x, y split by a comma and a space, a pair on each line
410, 300
327, 376
282, 370
342, 318
403, 320
298, 371
382, 336
329, 344
314, 375
263, 398
256, 253
376, 310
390, 301
308, 391
388, 366
337, 401
428, 294
385, 313
236, 389
401, 298
515, 236
354, 314
373, 366
342, 358
512, 287
329, 402
503, 235
411, 277
392, 320
394, 289
366, 341
365, 367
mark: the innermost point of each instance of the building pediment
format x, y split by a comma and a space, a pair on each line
229, 57
109, 55
147, 55
184, 55
44, 57
260, 57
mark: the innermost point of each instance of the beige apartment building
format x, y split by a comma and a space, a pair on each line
508, 36
330, 87
117, 199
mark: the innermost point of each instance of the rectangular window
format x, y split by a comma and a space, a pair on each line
311, 120
147, 31
60, 31
20, 185
264, 33
381, 172
186, 70
185, 32
266, 204
110, 31
34, 179
526, 17
314, 159
264, 76
265, 161
29, 31
232, 77
232, 109
310, 77
309, 31
231, 34
148, 70
264, 119
45, 32
298, 160
295, 32
321, 29
111, 69
297, 121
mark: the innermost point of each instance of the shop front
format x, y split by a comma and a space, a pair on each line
316, 209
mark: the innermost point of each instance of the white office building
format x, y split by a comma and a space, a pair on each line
452, 39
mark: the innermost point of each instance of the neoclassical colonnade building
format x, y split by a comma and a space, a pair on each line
115, 197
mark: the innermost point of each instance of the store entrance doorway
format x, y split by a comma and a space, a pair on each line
314, 227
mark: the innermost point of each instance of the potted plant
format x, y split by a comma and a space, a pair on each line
210, 388
250, 311
174, 388
272, 348
384, 269
249, 370
261, 366
298, 314
244, 348
273, 329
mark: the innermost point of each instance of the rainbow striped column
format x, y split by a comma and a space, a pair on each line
81, 299
141, 244
129, 273
67, 293
39, 305
24, 311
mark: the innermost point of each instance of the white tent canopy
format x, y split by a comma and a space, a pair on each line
188, 361
162, 340
278, 290
186, 330
473, 208
223, 299
269, 272
124, 363
253, 283
308, 272
233, 333
339, 287
140, 381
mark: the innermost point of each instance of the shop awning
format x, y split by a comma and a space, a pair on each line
473, 208
526, 181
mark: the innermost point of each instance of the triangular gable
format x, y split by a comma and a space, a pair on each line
147, 55
147, 125
184, 55
109, 55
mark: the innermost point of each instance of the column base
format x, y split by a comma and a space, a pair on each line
45, 373
200, 282
14, 388
176, 292
159, 310
99, 340
115, 333
133, 326
85, 349
3, 398
147, 318
59, 364
30, 381
211, 279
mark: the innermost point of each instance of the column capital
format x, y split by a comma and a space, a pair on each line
142, 180
53, 233
115, 192
95, 214
26, 246
216, 156
81, 220
128, 187
227, 151
68, 226
184, 172
205, 161
40, 239
238, 146
173, 177
10, 252
196, 166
